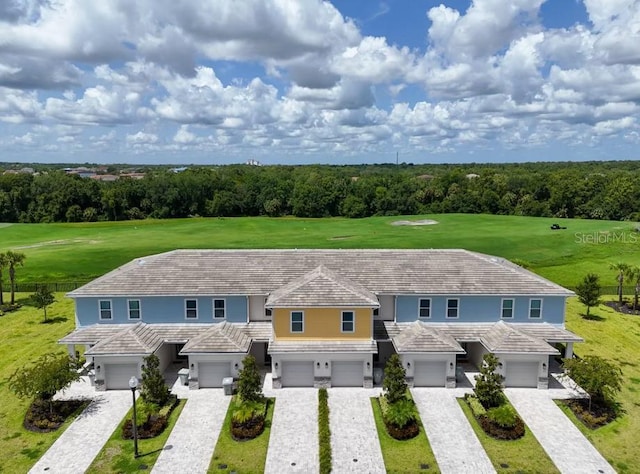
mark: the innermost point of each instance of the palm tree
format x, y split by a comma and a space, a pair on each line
3, 263
622, 269
14, 259
633, 275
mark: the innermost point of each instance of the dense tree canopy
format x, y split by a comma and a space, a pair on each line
595, 190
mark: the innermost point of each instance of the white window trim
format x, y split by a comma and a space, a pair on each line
430, 302
185, 308
139, 318
213, 303
541, 303
353, 322
513, 308
446, 309
110, 318
291, 322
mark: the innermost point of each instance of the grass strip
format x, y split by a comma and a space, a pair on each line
324, 431
242, 456
411, 455
117, 454
518, 455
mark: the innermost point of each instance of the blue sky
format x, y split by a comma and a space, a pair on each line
307, 81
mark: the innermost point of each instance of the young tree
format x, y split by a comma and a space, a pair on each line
14, 259
622, 269
489, 383
597, 376
588, 291
44, 377
153, 390
3, 263
42, 298
249, 386
394, 383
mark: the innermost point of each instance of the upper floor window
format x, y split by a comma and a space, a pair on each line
424, 307
219, 311
191, 309
268, 312
507, 309
348, 321
452, 307
134, 309
105, 309
297, 321
376, 311
535, 308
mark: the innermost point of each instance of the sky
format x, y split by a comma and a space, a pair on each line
310, 81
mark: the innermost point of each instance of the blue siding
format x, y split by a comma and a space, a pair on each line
480, 309
161, 309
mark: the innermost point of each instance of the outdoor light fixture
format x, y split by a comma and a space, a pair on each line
236, 366
193, 366
368, 365
544, 366
276, 366
500, 364
451, 365
318, 365
98, 369
326, 365
408, 365
133, 384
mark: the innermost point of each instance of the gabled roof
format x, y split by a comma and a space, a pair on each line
262, 272
321, 287
502, 338
221, 337
419, 337
91, 335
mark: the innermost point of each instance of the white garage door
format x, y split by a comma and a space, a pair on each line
430, 374
117, 375
210, 374
347, 373
521, 374
297, 374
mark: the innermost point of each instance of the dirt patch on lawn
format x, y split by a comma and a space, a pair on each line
420, 222
58, 242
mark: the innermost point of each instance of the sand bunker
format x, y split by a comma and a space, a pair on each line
421, 222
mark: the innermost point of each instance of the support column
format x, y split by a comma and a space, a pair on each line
568, 352
71, 349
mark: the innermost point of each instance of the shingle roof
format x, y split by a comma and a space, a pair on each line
280, 346
547, 332
321, 287
222, 337
420, 337
91, 335
261, 272
502, 338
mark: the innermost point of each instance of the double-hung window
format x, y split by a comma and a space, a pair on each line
219, 311
133, 306
535, 308
452, 307
424, 307
191, 309
507, 309
105, 309
348, 321
297, 321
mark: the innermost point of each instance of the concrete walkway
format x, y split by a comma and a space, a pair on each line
454, 444
193, 439
293, 446
354, 440
76, 448
570, 451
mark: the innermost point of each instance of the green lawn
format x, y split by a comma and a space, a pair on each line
246, 457
88, 250
24, 338
117, 454
406, 456
524, 455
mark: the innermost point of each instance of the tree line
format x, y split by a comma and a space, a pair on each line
594, 190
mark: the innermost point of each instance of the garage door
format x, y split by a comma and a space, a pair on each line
430, 374
210, 374
347, 374
297, 374
521, 374
117, 375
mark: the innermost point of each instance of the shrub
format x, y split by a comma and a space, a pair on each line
154, 389
488, 387
324, 432
601, 379
394, 384
400, 418
476, 407
504, 416
401, 413
248, 419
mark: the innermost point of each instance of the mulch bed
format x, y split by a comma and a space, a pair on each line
599, 415
626, 307
41, 419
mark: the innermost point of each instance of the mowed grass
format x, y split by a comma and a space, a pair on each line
615, 337
68, 252
400, 457
524, 455
117, 455
247, 457
24, 338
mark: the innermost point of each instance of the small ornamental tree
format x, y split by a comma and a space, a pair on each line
601, 379
588, 291
42, 298
489, 383
394, 384
154, 390
44, 377
249, 386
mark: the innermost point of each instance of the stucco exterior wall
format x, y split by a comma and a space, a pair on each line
322, 323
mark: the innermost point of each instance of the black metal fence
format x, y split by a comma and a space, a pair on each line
31, 287
612, 290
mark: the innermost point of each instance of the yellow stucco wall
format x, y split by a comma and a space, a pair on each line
322, 323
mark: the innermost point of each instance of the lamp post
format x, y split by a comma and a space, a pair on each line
133, 384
